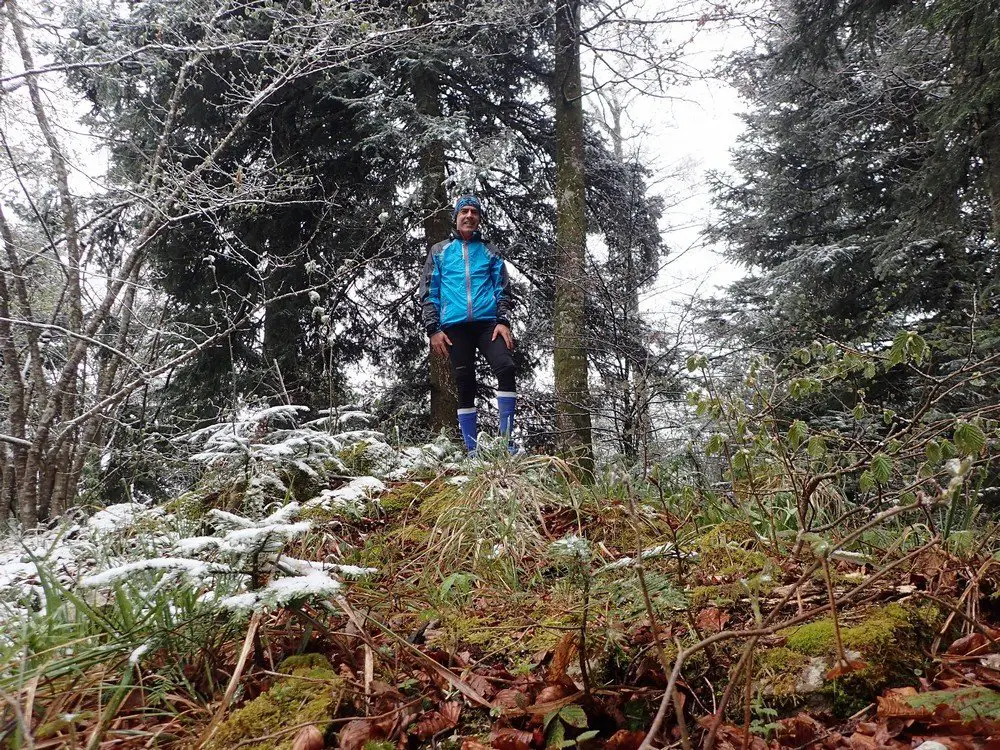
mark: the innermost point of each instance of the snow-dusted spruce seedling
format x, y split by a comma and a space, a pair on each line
132, 577
270, 450
239, 566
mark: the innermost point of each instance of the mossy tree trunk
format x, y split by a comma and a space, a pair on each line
437, 223
570, 356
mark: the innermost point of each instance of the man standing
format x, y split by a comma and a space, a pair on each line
466, 301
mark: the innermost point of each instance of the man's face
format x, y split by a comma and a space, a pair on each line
468, 219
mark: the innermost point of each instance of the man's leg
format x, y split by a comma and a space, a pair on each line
463, 359
502, 363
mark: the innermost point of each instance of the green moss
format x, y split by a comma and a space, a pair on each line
379, 745
700, 596
404, 496
410, 534
887, 640
813, 639
778, 671
188, 507
876, 632
302, 486
730, 549
735, 533
310, 692
356, 459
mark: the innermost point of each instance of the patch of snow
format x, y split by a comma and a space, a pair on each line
137, 653
261, 538
195, 568
196, 544
114, 517
284, 590
350, 498
572, 546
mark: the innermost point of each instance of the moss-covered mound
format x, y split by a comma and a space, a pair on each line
885, 644
310, 692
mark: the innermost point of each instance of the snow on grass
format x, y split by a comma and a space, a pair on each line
152, 552
194, 568
113, 517
350, 499
283, 591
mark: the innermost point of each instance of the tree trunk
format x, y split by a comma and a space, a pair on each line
437, 223
991, 163
36, 482
570, 356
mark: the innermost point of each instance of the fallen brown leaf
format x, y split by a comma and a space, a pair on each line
625, 739
561, 658
893, 705
511, 698
356, 733
481, 685
846, 667
712, 619
511, 739
730, 737
800, 729
551, 693
973, 643
862, 742
434, 722
308, 738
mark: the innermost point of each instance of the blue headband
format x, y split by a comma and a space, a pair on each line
466, 200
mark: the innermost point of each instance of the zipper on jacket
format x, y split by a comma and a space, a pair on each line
468, 276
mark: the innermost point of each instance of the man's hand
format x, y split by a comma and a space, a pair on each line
440, 343
504, 332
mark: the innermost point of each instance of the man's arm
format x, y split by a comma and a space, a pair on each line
502, 289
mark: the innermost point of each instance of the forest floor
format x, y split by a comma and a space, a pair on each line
500, 603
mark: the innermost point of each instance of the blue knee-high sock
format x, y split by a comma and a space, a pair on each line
506, 402
467, 424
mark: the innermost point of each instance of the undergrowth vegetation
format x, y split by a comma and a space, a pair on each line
318, 582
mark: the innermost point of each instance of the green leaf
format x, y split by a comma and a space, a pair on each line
817, 446
969, 438
796, 433
715, 444
574, 715
881, 468
897, 352
948, 450
916, 347
556, 734
548, 718
588, 735
866, 481
887, 415
933, 452
858, 412
696, 362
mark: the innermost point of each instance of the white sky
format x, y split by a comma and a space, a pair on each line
681, 137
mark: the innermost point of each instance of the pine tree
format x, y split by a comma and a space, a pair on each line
860, 204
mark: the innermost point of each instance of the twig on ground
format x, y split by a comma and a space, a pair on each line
241, 663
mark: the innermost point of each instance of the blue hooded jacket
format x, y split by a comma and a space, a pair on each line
464, 281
